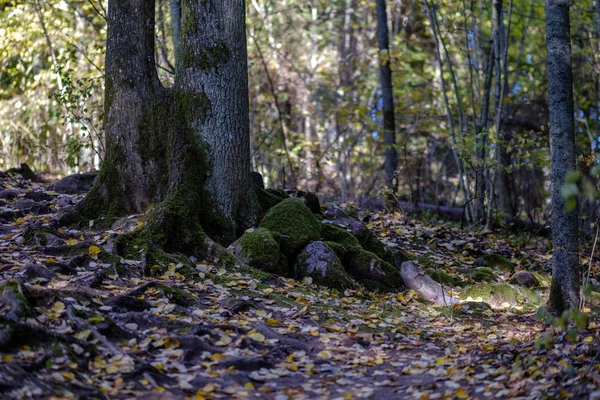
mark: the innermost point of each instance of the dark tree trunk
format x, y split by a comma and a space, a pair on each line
184, 150
389, 124
566, 275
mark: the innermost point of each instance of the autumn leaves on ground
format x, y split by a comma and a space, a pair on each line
76, 321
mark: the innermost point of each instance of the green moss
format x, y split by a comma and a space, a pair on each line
481, 274
443, 277
498, 294
339, 250
292, 223
496, 262
260, 250
266, 199
366, 266
339, 235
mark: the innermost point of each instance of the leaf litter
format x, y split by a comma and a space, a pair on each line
75, 323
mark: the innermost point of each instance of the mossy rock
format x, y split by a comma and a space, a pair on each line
496, 262
443, 277
310, 199
321, 263
266, 199
340, 250
497, 294
278, 193
339, 235
483, 274
366, 266
260, 250
293, 225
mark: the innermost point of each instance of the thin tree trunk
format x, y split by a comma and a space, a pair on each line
175, 9
566, 271
389, 124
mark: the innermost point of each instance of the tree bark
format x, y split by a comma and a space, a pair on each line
389, 124
183, 150
566, 274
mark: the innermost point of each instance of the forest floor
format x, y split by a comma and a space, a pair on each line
76, 322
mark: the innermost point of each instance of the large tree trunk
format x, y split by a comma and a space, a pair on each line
566, 275
389, 124
183, 150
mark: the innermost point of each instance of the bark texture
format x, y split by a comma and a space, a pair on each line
184, 150
389, 124
564, 293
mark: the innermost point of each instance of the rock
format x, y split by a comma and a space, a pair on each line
321, 263
74, 184
372, 271
339, 235
259, 250
24, 204
496, 262
310, 199
483, 274
418, 280
65, 200
25, 172
367, 239
333, 212
39, 196
498, 294
31, 271
442, 277
257, 178
8, 194
525, 279
293, 225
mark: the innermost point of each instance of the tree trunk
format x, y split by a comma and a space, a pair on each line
389, 124
175, 9
186, 149
566, 275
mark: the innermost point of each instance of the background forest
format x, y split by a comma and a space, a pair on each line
469, 84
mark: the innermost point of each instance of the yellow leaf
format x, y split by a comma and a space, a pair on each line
71, 242
261, 313
249, 385
271, 321
68, 375
259, 337
83, 335
20, 221
461, 393
94, 250
172, 343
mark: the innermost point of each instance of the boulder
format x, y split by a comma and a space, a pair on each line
525, 279
483, 274
372, 271
418, 280
321, 263
334, 233
74, 184
293, 225
259, 250
310, 199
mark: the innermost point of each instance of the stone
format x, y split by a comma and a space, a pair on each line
293, 225
321, 263
525, 279
74, 184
